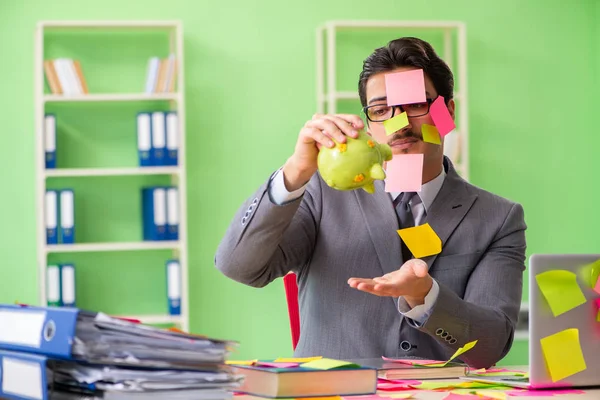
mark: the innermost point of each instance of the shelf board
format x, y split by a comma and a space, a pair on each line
154, 319
71, 172
117, 246
59, 98
108, 24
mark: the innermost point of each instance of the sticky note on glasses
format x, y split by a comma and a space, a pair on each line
561, 290
404, 173
441, 116
563, 355
421, 240
395, 123
406, 87
430, 134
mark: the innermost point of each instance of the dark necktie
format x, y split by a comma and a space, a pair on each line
405, 219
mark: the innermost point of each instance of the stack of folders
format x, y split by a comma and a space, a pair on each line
160, 213
158, 138
66, 353
60, 206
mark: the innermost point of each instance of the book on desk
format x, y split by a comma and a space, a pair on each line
411, 369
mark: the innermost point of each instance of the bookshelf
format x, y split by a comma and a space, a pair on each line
99, 161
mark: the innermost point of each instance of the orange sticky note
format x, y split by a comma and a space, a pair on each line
561, 290
395, 123
421, 240
563, 355
430, 134
404, 173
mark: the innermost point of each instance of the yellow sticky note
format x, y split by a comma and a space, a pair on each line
396, 123
233, 362
320, 398
598, 316
462, 350
561, 290
430, 134
298, 360
492, 394
563, 354
397, 395
421, 240
589, 273
328, 363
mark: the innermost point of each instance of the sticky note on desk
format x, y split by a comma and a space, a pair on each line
297, 360
563, 355
328, 363
404, 173
441, 116
462, 350
421, 240
406, 87
561, 290
395, 123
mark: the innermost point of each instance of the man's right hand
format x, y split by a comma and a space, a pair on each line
317, 132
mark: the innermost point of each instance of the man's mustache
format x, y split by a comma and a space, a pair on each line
405, 135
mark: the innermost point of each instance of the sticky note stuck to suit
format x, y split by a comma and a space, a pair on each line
563, 355
462, 350
406, 87
560, 289
421, 240
395, 123
441, 116
404, 173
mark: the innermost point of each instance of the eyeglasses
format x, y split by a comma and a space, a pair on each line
383, 112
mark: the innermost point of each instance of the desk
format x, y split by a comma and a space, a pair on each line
590, 394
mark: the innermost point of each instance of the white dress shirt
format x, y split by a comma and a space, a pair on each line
419, 205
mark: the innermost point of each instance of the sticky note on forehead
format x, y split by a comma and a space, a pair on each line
406, 87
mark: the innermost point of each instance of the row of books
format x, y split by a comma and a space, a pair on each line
157, 139
161, 74
61, 286
65, 76
49, 353
160, 214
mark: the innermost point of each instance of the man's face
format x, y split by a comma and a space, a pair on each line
408, 140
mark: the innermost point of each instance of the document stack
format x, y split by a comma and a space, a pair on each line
58, 353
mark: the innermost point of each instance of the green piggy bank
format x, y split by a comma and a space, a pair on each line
354, 164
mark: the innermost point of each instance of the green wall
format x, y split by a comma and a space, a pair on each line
250, 73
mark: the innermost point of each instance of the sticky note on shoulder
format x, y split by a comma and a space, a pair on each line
406, 87
421, 240
561, 290
563, 355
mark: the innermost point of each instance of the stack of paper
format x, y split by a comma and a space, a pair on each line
65, 353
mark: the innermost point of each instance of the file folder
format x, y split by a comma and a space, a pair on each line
67, 280
174, 286
154, 210
158, 138
50, 140
172, 138
24, 376
53, 289
172, 213
144, 138
67, 216
51, 216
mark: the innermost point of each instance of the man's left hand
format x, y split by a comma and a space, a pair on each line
412, 281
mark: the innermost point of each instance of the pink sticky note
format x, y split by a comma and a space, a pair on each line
542, 393
456, 396
413, 361
441, 116
598, 302
277, 364
597, 286
405, 87
404, 173
391, 386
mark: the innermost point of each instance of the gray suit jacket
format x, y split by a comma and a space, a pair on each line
328, 236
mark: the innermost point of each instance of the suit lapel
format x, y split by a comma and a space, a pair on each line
382, 223
449, 208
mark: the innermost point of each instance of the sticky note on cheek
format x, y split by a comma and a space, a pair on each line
441, 116
395, 123
430, 134
421, 240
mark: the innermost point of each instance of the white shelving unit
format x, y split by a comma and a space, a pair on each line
177, 174
457, 144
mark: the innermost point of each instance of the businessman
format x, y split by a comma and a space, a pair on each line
361, 292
